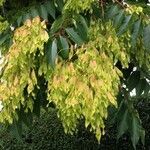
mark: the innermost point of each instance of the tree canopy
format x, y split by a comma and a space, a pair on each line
81, 56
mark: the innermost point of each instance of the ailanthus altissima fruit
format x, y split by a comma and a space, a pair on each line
85, 88
65, 52
19, 68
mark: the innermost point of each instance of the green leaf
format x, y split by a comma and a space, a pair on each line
64, 47
113, 10
133, 80
128, 119
74, 36
135, 32
123, 126
43, 12
3, 38
57, 24
82, 27
137, 131
146, 37
52, 53
118, 19
83, 22
82, 32
26, 16
60, 4
34, 12
50, 8
19, 20
125, 24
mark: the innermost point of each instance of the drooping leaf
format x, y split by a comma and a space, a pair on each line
43, 12
125, 24
26, 16
51, 8
83, 22
57, 24
113, 10
129, 121
82, 32
82, 27
123, 126
118, 18
64, 47
136, 131
19, 20
74, 36
34, 12
146, 37
52, 52
135, 32
3, 38
60, 4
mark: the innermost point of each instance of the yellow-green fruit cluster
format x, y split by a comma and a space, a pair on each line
78, 5
18, 68
85, 88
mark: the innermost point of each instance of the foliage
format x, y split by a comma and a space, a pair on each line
27, 41
1, 2
145, 7
47, 133
78, 56
3, 24
75, 97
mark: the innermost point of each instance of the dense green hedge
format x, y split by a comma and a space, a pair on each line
47, 134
